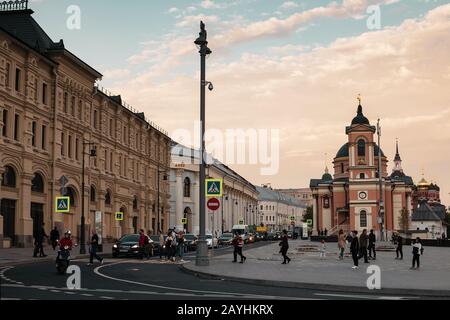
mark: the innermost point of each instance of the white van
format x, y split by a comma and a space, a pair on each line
241, 229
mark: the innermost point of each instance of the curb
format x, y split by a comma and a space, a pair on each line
46, 259
320, 287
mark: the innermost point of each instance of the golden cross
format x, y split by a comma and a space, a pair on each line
359, 98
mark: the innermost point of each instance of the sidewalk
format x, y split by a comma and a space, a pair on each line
15, 256
307, 270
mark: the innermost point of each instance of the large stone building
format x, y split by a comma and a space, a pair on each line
239, 201
52, 115
277, 210
303, 195
350, 199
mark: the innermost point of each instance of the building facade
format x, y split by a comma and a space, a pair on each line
52, 117
303, 195
278, 210
350, 200
238, 203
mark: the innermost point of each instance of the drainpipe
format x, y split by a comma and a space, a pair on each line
55, 113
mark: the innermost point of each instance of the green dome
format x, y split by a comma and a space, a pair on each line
327, 177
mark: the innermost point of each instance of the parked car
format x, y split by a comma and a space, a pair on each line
190, 241
289, 234
225, 239
212, 241
128, 245
251, 238
156, 247
260, 236
271, 236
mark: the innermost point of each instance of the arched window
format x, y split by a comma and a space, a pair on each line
93, 194
363, 219
108, 198
37, 184
71, 194
361, 148
187, 188
135, 203
342, 168
9, 177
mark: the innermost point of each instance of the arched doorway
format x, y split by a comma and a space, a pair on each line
123, 223
188, 216
8, 206
37, 204
70, 220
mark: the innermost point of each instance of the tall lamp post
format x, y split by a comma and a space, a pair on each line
380, 177
158, 196
202, 258
92, 153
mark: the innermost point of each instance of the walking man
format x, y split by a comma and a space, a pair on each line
417, 252
169, 242
354, 249
341, 244
180, 245
38, 240
93, 249
284, 244
399, 249
54, 238
363, 239
372, 240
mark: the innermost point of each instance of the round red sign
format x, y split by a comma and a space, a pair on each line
213, 204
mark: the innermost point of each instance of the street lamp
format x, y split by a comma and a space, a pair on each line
202, 258
92, 153
158, 202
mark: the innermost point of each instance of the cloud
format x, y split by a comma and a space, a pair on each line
289, 5
173, 10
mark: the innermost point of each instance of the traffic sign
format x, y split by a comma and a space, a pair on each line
119, 216
309, 222
292, 218
214, 187
241, 222
184, 221
213, 204
62, 204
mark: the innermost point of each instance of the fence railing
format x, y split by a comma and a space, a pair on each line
14, 5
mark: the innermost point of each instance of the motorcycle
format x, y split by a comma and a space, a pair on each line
63, 260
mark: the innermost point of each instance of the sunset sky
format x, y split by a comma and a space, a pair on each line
296, 66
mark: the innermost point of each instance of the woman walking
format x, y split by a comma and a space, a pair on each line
417, 252
354, 249
161, 244
341, 244
284, 247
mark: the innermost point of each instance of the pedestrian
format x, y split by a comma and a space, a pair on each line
417, 252
363, 239
173, 248
38, 240
354, 249
443, 236
54, 237
180, 245
371, 247
144, 245
238, 244
341, 244
399, 249
93, 248
284, 244
323, 249
162, 244
325, 232
169, 241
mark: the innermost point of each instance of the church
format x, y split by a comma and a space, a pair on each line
350, 199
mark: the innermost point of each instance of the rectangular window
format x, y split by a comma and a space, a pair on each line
80, 110
16, 127
106, 160
124, 134
8, 75
44, 93
111, 130
74, 106
36, 89
33, 130
44, 137
70, 146
95, 119
66, 102
62, 144
18, 79
77, 149
111, 166
5, 123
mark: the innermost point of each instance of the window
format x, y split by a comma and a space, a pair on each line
80, 110
342, 168
111, 167
70, 146
44, 93
18, 80
362, 176
36, 89
37, 184
77, 149
135, 203
66, 102
111, 131
361, 148
33, 130
93, 194
124, 134
44, 137
9, 177
262, 207
106, 160
74, 106
108, 198
8, 75
187, 188
95, 119
16, 127
363, 219
71, 194
62, 144
5, 123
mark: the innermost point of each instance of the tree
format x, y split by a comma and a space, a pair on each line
309, 214
403, 220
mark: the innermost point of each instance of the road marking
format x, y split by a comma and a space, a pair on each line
195, 292
364, 296
108, 298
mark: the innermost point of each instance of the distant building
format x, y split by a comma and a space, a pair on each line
425, 218
303, 195
277, 210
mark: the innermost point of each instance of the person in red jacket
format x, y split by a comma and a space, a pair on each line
66, 241
144, 248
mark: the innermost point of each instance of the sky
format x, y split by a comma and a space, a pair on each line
293, 66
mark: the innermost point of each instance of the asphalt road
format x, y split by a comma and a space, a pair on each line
132, 279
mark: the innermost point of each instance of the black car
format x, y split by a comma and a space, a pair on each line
271, 236
225, 239
261, 236
190, 242
128, 245
156, 246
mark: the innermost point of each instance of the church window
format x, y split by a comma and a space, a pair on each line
362, 176
342, 168
363, 219
361, 148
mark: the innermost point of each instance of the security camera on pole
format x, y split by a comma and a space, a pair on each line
202, 258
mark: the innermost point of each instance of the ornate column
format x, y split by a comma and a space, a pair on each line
315, 215
24, 227
179, 214
1, 216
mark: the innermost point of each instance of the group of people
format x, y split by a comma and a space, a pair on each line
172, 246
323, 233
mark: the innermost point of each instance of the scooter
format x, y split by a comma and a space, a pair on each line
63, 260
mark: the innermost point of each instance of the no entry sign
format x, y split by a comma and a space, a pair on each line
213, 204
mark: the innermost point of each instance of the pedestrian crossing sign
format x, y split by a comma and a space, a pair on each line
119, 216
309, 222
62, 204
292, 218
241, 222
184, 221
214, 187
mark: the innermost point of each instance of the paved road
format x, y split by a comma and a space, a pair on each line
131, 279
